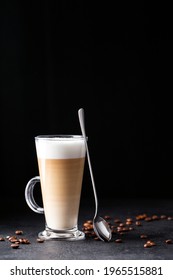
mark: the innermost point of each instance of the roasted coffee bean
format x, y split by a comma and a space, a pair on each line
118, 240
15, 246
18, 232
121, 233
155, 217
169, 241
96, 238
131, 228
143, 236
129, 222
151, 242
163, 217
117, 221
86, 224
107, 217
12, 239
141, 217
170, 218
89, 221
148, 219
138, 223
121, 225
147, 245
39, 240
24, 241
2, 239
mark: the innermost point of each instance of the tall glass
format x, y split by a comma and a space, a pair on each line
61, 160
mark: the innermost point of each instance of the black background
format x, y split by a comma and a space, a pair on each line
112, 59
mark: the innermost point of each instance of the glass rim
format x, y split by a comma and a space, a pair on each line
63, 137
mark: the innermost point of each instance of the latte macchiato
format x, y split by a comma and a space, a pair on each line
61, 162
61, 165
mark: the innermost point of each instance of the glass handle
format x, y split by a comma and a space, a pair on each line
29, 195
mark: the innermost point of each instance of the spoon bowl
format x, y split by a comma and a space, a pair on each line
101, 227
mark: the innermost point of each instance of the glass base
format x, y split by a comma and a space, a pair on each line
69, 235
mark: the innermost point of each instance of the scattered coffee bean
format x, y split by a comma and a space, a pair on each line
117, 221
169, 241
138, 223
141, 217
119, 240
162, 217
107, 217
2, 239
18, 232
131, 228
143, 236
89, 221
15, 246
12, 237
39, 240
170, 218
129, 220
97, 238
155, 217
147, 245
151, 243
24, 241
13, 240
121, 225
148, 219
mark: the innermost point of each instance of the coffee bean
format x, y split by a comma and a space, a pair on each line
169, 241
18, 232
163, 217
39, 240
121, 225
129, 222
138, 223
143, 236
119, 240
147, 245
107, 217
155, 217
170, 218
96, 238
152, 243
15, 246
12, 239
89, 221
24, 241
117, 221
141, 217
131, 228
148, 219
2, 239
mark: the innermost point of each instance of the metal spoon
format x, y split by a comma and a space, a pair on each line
101, 227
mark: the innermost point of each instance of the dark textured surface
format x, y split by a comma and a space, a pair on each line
132, 246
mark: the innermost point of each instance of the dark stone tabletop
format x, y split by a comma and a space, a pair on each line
158, 228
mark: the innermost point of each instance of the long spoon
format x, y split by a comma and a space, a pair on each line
101, 227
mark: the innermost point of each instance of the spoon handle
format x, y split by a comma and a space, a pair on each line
82, 125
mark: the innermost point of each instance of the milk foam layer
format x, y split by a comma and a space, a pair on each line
60, 148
